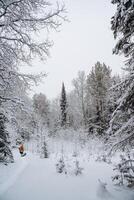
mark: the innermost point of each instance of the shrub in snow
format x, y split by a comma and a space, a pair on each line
44, 151
125, 171
60, 166
78, 169
75, 154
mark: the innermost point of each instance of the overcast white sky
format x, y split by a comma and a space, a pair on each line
79, 45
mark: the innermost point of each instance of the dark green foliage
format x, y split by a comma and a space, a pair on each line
121, 127
63, 106
122, 122
60, 166
44, 150
5, 152
125, 171
122, 24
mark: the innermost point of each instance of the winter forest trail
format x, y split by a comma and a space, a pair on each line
39, 180
37, 183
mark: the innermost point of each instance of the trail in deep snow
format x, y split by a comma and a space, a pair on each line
39, 181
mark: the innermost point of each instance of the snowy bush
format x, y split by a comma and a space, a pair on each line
44, 151
78, 169
75, 154
125, 171
60, 166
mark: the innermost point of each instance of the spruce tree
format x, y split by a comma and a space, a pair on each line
122, 122
5, 152
44, 151
63, 106
60, 166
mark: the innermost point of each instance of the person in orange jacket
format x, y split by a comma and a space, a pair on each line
21, 149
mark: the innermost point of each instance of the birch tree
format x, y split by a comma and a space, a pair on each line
79, 84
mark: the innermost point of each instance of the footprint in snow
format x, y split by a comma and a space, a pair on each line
102, 191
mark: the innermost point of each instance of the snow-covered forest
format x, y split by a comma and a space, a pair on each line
79, 145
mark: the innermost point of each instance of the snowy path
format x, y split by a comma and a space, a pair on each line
39, 181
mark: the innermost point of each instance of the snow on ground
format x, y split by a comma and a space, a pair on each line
32, 178
10, 173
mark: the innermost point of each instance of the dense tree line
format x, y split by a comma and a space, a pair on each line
91, 103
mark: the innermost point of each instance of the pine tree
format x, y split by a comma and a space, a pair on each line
98, 84
63, 106
44, 151
60, 166
122, 122
5, 152
125, 170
